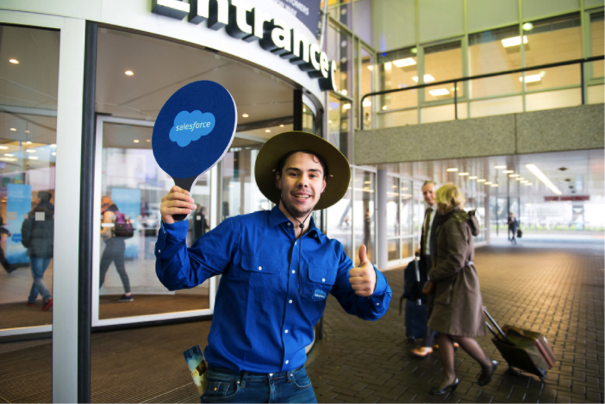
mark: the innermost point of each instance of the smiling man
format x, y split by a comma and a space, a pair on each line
277, 270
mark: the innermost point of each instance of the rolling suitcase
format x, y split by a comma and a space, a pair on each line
416, 308
523, 349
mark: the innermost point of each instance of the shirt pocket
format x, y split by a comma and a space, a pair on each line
262, 274
319, 282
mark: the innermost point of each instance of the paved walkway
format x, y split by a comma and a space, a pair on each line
556, 289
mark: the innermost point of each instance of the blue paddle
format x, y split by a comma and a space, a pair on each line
194, 130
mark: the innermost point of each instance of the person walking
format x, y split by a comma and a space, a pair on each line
457, 310
37, 236
513, 225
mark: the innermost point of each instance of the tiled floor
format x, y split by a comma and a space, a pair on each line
553, 288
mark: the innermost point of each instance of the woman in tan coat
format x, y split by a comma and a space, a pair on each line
457, 310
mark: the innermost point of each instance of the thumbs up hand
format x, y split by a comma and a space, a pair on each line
363, 277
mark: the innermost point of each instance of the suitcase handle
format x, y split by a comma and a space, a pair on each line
418, 301
497, 327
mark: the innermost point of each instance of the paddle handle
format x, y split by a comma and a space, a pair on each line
186, 184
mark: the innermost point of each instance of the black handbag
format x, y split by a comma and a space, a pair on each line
519, 233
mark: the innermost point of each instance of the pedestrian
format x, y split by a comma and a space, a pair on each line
457, 310
37, 236
513, 225
200, 225
277, 270
115, 248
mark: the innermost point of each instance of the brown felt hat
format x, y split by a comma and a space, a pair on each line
278, 146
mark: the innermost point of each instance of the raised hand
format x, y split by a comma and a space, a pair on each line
363, 277
176, 202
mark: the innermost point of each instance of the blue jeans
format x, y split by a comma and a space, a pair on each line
38, 267
226, 386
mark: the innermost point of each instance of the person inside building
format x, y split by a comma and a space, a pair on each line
513, 225
277, 270
457, 307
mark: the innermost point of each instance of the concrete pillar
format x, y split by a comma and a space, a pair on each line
382, 252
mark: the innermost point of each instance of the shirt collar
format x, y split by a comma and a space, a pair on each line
277, 217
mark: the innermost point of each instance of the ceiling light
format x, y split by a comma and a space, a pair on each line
54, 153
13, 129
508, 171
536, 171
462, 174
394, 186
268, 130
346, 106
366, 103
514, 175
414, 50
370, 68
245, 115
344, 92
53, 145
488, 183
514, 41
528, 183
438, 92
404, 62
533, 78
3, 147
31, 150
481, 180
136, 140
494, 185
427, 78
499, 167
28, 142
451, 170
129, 73
33, 158
520, 179
281, 126
8, 154
528, 26
14, 61
26, 131
384, 107
473, 177
7, 159
148, 140
367, 182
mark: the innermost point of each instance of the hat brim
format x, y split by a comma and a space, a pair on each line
280, 145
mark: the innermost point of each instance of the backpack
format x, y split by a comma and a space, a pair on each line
123, 226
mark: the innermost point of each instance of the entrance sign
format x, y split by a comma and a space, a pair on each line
250, 24
194, 130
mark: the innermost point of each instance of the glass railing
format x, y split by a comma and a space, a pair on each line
453, 99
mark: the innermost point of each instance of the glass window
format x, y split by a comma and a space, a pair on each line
596, 42
28, 94
366, 73
339, 48
339, 118
308, 119
339, 222
365, 184
340, 10
488, 54
392, 207
442, 62
407, 207
550, 41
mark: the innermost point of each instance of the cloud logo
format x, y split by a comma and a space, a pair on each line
189, 127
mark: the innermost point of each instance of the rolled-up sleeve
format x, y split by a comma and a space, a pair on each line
179, 267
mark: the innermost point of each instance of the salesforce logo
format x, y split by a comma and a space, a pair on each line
189, 127
16, 238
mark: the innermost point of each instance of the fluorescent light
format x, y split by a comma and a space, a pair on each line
281, 126
346, 106
494, 185
528, 26
438, 92
268, 130
481, 180
129, 73
514, 175
384, 107
473, 177
427, 78
245, 115
7, 159
536, 171
13, 61
451, 170
488, 183
462, 174
499, 167
367, 103
13, 129
52, 145
344, 92
404, 62
531, 79
514, 41
136, 140
3, 148
33, 157
28, 142
370, 68
520, 179
508, 171
8, 155
54, 153
30, 150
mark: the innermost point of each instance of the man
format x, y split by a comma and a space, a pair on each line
513, 225
200, 225
115, 248
427, 248
37, 236
277, 269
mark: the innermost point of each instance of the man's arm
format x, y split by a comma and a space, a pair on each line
362, 291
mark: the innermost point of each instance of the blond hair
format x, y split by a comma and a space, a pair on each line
450, 196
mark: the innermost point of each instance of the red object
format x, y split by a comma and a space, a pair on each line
47, 305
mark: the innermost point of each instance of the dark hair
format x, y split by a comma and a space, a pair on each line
282, 162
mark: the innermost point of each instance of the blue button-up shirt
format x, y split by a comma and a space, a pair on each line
273, 287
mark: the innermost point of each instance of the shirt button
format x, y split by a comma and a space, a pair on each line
159, 251
287, 362
293, 271
377, 304
270, 374
323, 279
289, 223
260, 268
290, 302
286, 331
295, 242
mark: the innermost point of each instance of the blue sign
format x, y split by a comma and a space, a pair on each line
194, 129
17, 207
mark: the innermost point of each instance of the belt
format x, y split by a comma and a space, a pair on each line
242, 376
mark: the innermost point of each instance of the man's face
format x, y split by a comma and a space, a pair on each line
301, 183
428, 192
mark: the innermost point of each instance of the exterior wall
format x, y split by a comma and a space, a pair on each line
576, 128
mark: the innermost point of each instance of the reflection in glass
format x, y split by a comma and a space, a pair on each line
392, 207
339, 48
597, 42
28, 93
365, 184
339, 117
133, 184
308, 120
442, 62
398, 69
407, 206
339, 222
367, 73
